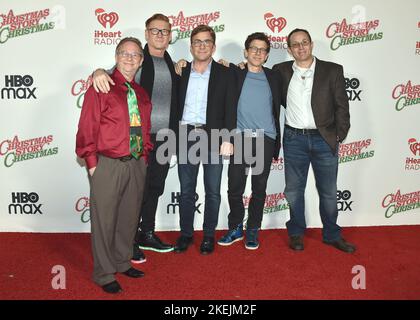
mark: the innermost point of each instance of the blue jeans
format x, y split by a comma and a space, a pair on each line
300, 150
187, 174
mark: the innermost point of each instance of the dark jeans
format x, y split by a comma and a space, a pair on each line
153, 189
238, 174
188, 180
300, 150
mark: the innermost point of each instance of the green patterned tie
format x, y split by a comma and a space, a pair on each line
136, 140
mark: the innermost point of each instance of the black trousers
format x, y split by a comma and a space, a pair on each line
238, 174
153, 189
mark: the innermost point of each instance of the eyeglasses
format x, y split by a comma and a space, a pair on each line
198, 43
259, 50
156, 31
126, 55
296, 45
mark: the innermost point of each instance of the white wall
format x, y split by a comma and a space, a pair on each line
60, 59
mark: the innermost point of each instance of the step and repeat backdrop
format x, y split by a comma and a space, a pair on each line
49, 49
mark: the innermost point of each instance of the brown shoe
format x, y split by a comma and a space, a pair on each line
342, 245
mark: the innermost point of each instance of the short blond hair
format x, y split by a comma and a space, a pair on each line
158, 16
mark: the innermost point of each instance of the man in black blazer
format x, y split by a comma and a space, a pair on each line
317, 120
206, 103
258, 113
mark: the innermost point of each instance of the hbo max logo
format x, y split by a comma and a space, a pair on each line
351, 85
25, 203
343, 200
18, 87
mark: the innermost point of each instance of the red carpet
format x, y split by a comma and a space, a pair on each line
390, 256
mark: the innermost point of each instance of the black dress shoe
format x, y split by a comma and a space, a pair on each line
182, 244
133, 273
296, 243
112, 287
207, 246
342, 245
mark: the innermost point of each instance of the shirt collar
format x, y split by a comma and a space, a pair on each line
310, 70
119, 78
207, 69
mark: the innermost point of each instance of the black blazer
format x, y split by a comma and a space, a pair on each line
221, 108
274, 82
330, 104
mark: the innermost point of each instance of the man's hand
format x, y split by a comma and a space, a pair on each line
92, 171
226, 149
224, 62
101, 81
179, 65
241, 65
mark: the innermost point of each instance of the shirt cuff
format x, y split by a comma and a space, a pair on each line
91, 161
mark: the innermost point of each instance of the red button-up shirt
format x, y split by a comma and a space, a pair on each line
104, 122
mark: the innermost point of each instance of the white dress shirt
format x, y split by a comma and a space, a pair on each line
299, 110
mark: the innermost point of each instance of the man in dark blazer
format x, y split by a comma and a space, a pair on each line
206, 103
317, 120
258, 114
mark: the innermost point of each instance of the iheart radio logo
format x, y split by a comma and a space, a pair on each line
414, 146
274, 23
105, 18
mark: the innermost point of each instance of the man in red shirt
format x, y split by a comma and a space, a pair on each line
114, 140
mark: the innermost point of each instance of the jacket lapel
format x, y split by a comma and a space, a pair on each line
148, 72
241, 79
288, 76
316, 86
214, 71
185, 76
269, 75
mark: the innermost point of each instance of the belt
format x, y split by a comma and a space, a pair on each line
196, 126
302, 131
249, 133
126, 158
